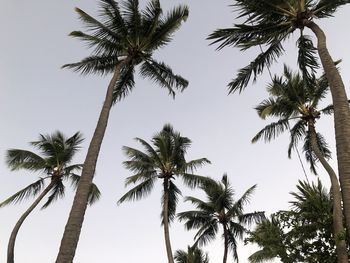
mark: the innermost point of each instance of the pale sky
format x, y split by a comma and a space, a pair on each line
39, 97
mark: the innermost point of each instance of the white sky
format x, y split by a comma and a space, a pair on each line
38, 97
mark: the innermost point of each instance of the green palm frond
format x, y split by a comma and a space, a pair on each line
252, 218
167, 26
101, 65
17, 159
27, 192
56, 192
256, 67
261, 256
307, 59
193, 255
309, 154
233, 244
140, 191
272, 130
174, 193
297, 132
194, 219
326, 8
206, 233
125, 83
238, 206
193, 180
162, 74
132, 18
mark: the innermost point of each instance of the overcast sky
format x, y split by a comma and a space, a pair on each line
39, 97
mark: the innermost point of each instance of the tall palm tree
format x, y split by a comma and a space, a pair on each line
164, 160
294, 99
122, 38
220, 209
192, 255
54, 162
271, 23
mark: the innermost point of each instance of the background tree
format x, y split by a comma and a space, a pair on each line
294, 99
220, 210
54, 160
122, 39
272, 22
165, 160
192, 255
301, 234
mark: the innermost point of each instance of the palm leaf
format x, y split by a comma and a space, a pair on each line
307, 60
21, 159
30, 191
161, 74
139, 191
56, 192
272, 130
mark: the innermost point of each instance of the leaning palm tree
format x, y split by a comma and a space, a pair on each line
54, 162
192, 255
163, 161
271, 23
294, 99
220, 210
122, 38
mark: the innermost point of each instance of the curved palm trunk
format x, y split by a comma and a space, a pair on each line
341, 117
338, 228
12, 240
74, 224
166, 221
225, 243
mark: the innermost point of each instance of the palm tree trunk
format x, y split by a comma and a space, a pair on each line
225, 243
338, 228
74, 224
341, 117
12, 240
166, 221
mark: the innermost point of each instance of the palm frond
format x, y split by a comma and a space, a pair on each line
206, 233
307, 59
194, 219
296, 134
261, 256
173, 196
125, 83
56, 192
17, 159
162, 74
256, 67
167, 26
141, 190
95, 64
272, 130
326, 8
30, 191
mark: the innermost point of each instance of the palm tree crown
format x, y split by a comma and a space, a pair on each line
270, 23
164, 160
294, 99
54, 161
192, 255
220, 209
123, 33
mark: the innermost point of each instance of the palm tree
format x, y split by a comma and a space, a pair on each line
192, 255
123, 39
220, 209
54, 162
292, 98
271, 23
302, 233
164, 160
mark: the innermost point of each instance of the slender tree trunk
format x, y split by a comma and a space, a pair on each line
225, 243
12, 240
341, 117
166, 221
74, 224
338, 227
